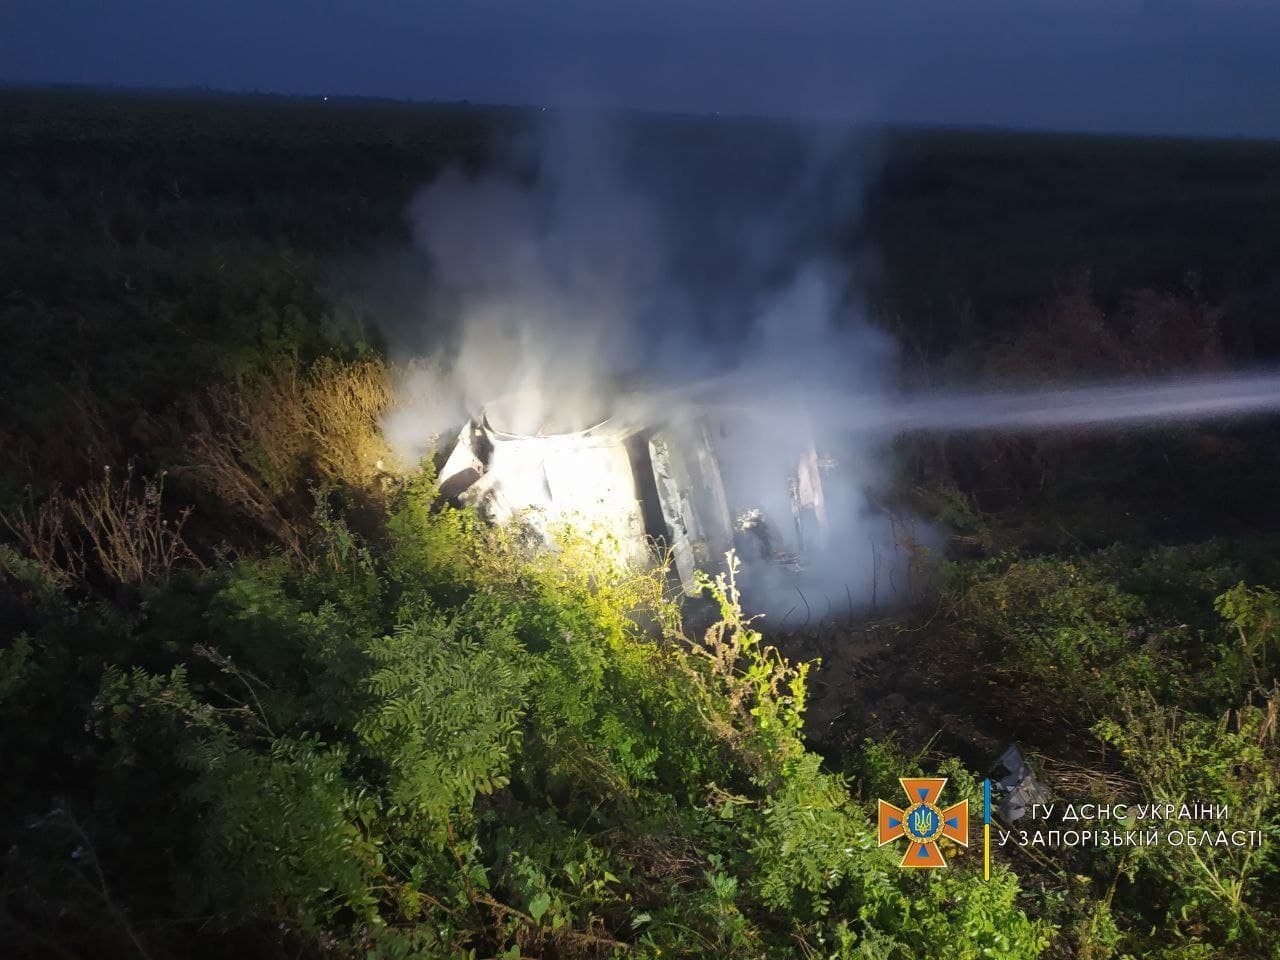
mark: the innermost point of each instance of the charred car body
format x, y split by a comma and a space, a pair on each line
643, 488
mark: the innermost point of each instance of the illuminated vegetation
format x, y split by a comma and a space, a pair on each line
438, 747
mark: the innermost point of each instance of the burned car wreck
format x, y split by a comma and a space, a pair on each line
650, 488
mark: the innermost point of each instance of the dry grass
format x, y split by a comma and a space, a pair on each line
1150, 333
244, 445
42, 530
343, 404
115, 521
132, 539
258, 443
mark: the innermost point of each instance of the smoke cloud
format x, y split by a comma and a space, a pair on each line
642, 274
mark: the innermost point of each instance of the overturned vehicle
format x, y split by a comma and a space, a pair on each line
638, 490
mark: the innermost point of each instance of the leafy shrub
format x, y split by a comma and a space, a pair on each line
1191, 759
1253, 614
440, 745
1061, 623
448, 700
1190, 708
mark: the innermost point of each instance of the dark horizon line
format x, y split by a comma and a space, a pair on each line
904, 126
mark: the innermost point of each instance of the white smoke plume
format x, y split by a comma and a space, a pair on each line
621, 279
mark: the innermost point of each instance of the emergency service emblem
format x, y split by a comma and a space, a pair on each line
924, 822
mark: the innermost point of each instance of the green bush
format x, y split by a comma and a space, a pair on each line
1189, 706
444, 746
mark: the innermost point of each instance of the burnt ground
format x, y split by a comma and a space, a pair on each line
928, 686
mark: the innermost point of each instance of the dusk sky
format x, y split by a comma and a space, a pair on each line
1179, 66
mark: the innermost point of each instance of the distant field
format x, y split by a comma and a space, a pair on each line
993, 217
156, 242
1000, 217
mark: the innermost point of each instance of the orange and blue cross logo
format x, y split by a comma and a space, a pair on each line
923, 822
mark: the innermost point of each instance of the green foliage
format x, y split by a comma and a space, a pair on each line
1190, 759
1058, 622
958, 919
15, 661
808, 839
430, 547
442, 746
294, 804
1254, 617
448, 698
1189, 705
764, 693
